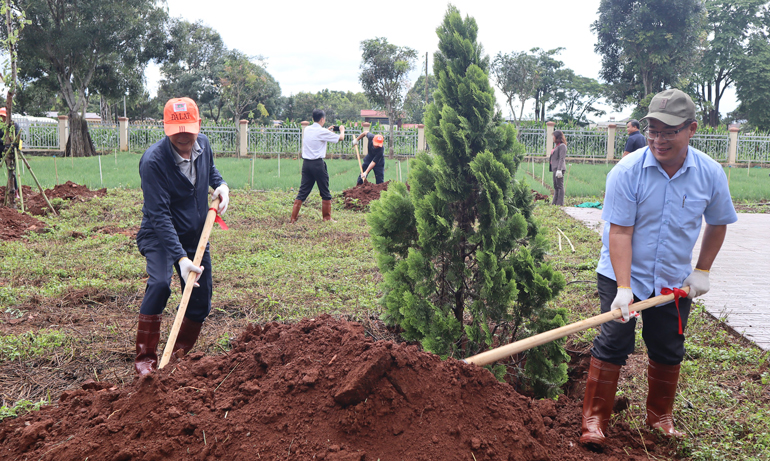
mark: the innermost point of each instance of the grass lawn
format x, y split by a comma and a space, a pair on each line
69, 299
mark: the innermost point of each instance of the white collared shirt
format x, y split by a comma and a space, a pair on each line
187, 166
315, 139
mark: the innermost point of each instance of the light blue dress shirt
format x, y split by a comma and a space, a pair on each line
666, 214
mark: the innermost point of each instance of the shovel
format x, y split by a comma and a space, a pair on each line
360, 166
190, 282
491, 356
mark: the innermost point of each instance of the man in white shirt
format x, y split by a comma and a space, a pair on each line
314, 171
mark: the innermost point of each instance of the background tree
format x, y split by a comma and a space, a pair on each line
192, 66
577, 97
517, 75
729, 26
647, 45
461, 258
752, 81
14, 22
548, 67
384, 69
72, 42
414, 102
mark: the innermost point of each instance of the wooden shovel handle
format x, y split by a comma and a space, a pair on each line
491, 356
190, 283
360, 167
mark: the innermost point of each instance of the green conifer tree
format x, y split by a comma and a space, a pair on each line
461, 258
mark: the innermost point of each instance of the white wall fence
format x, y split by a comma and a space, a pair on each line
224, 138
608, 145
587, 144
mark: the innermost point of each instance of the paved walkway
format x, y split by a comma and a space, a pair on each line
740, 276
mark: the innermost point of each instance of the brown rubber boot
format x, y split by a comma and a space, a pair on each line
295, 211
147, 338
326, 210
662, 381
188, 334
601, 385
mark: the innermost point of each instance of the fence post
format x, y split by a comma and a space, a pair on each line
63, 135
123, 130
611, 128
732, 149
421, 143
243, 138
365, 150
549, 137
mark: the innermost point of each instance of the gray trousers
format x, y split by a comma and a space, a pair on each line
558, 189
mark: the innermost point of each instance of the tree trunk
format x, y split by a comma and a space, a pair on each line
79, 143
10, 188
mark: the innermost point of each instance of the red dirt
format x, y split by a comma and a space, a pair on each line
15, 225
318, 389
538, 196
358, 198
67, 191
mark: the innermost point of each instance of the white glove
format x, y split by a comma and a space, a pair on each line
698, 281
559, 174
363, 176
223, 192
623, 298
354, 143
186, 266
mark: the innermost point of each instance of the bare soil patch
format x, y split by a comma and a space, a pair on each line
15, 225
318, 389
358, 197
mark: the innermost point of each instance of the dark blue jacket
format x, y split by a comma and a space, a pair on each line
635, 141
174, 210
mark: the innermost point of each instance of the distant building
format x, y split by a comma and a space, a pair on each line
377, 116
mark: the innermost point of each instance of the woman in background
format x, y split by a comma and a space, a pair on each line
558, 166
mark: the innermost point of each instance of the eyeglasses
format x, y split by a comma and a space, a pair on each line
665, 135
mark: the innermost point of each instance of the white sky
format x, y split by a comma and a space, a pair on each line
310, 46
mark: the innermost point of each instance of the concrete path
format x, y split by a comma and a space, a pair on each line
740, 276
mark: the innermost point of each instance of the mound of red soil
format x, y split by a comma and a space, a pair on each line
538, 196
318, 389
66, 191
358, 198
15, 225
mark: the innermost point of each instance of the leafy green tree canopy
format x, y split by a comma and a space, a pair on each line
461, 259
384, 70
648, 45
88, 47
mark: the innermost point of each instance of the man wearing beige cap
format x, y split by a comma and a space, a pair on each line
176, 174
655, 201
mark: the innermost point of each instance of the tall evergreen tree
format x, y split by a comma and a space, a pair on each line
461, 258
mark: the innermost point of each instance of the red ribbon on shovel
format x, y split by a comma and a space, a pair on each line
677, 292
219, 220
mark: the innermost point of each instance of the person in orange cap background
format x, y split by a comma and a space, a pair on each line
375, 157
176, 174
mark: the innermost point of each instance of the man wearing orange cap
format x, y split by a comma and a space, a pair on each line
375, 157
176, 174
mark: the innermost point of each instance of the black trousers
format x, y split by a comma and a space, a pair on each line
378, 170
314, 171
660, 330
160, 266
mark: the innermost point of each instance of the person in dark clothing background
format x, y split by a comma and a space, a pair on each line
7, 147
176, 173
558, 166
636, 139
375, 157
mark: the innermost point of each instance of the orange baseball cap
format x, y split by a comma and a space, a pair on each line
378, 140
3, 112
181, 116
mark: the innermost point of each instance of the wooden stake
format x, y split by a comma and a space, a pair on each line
101, 181
491, 356
279, 164
568, 240
188, 288
399, 172
542, 178
56, 169
16, 172
38, 182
